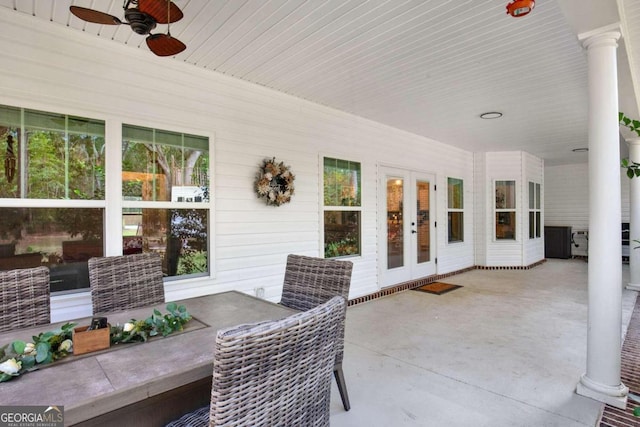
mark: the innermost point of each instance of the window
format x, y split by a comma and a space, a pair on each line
52, 195
59, 160
534, 210
505, 210
342, 208
455, 213
51, 156
165, 191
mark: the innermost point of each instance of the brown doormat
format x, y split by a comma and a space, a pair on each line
437, 288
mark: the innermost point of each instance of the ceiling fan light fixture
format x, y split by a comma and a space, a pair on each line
142, 16
520, 8
491, 115
140, 23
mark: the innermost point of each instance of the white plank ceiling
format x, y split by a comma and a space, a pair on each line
430, 67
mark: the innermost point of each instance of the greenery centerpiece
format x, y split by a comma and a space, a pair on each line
156, 324
19, 357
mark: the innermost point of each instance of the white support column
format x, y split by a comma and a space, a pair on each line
113, 188
634, 218
602, 379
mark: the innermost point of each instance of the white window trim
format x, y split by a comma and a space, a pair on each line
538, 232
455, 242
496, 210
323, 208
114, 197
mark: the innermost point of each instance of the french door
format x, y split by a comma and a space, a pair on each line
407, 240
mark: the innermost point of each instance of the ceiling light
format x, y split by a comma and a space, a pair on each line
520, 8
580, 150
491, 115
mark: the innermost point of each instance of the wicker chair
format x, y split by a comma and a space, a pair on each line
275, 373
311, 281
125, 282
24, 298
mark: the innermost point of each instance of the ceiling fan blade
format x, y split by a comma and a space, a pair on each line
165, 45
94, 16
158, 10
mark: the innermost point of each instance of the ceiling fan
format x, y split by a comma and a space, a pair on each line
142, 16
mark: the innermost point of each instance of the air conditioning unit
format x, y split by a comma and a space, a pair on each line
626, 243
580, 243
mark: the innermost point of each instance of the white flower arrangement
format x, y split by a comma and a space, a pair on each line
19, 357
274, 182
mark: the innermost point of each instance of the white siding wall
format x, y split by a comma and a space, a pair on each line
459, 255
566, 196
566, 199
504, 166
483, 208
533, 250
49, 68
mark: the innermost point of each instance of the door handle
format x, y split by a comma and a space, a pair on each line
413, 231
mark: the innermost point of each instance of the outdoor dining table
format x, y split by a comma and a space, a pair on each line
140, 383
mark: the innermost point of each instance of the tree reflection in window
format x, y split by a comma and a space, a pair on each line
172, 170
342, 201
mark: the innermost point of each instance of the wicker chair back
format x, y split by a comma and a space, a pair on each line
24, 298
275, 373
310, 281
124, 282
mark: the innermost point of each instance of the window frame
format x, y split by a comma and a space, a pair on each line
451, 209
207, 205
338, 208
112, 204
536, 209
29, 120
509, 210
23, 201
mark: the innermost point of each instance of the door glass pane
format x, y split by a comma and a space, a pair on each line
422, 226
395, 215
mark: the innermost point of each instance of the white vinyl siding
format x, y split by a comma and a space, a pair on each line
89, 77
533, 171
566, 200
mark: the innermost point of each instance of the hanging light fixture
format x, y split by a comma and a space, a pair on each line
520, 8
491, 115
10, 160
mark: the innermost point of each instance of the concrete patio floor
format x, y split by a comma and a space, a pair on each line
506, 349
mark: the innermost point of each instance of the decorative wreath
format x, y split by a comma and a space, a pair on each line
274, 182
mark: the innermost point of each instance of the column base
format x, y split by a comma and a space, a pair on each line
614, 396
633, 287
